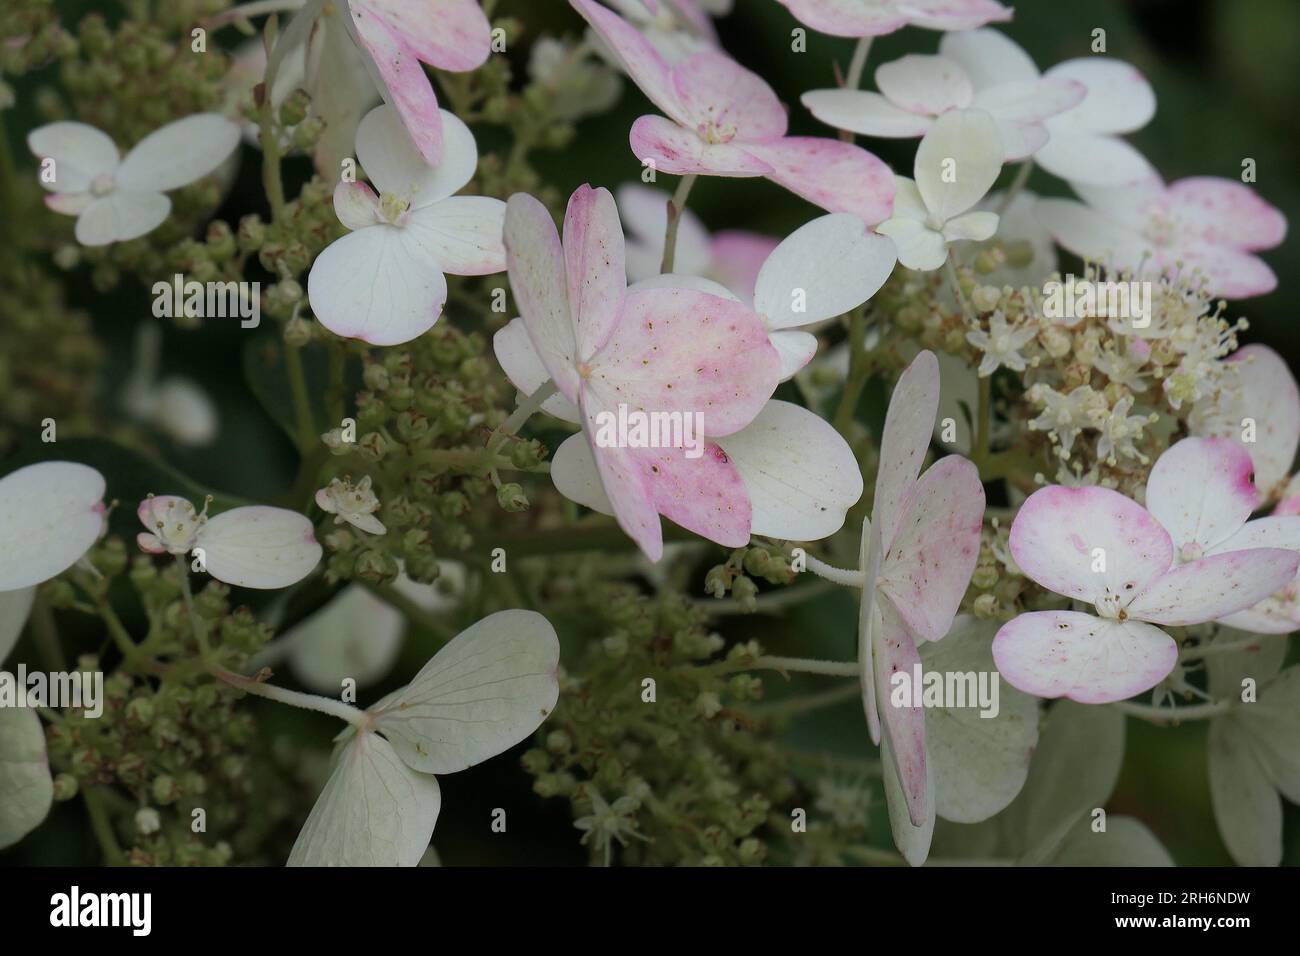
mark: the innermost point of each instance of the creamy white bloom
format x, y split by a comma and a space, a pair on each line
354, 503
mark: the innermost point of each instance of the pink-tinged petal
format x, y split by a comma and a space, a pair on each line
1201, 491
909, 423
913, 841
1266, 395
1274, 531
1277, 614
1228, 273
449, 34
624, 486
868, 626
379, 284
1119, 100
869, 114
80, 153
736, 258
1085, 658
462, 234
955, 14
150, 543
392, 162
799, 473
69, 204
1091, 158
575, 475
259, 547
1215, 586
670, 148
356, 205
718, 94
847, 18
523, 366
1089, 542
990, 58
1090, 234
837, 176
401, 79
1227, 213
50, 515
902, 715
1030, 102
535, 262
927, 567
639, 59
182, 152
595, 267
705, 495
121, 216
924, 84
824, 268
681, 350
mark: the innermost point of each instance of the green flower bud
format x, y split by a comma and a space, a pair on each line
252, 233
65, 787
165, 789
294, 108
140, 712
716, 581
745, 591
375, 567
308, 133
511, 497
375, 377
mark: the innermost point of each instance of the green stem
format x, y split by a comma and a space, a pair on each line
324, 705
103, 828
1196, 652
1017, 184
183, 570
857, 379
301, 397
1173, 715
805, 665
47, 636
858, 64
526, 409
415, 614
765, 603
980, 451
804, 703
676, 206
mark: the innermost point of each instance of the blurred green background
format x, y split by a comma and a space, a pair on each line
1227, 88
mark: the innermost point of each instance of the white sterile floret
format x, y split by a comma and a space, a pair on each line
115, 198
354, 503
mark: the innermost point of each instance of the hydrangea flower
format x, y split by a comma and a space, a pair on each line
917, 88
676, 28
1201, 492
396, 36
723, 120
116, 198
731, 257
918, 551
250, 547
956, 164
1258, 407
1254, 748
653, 350
355, 504
1097, 546
484, 692
1001, 344
383, 282
871, 18
50, 515
1201, 223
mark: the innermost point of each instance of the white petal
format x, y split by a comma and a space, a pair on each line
1119, 99
909, 422
823, 269
989, 58
979, 762
26, 788
1075, 768
1247, 808
356, 205
801, 475
462, 234
973, 225
179, 153
1125, 842
958, 161
519, 360
1091, 235
14, 608
1215, 586
50, 515
394, 165
1091, 158
121, 216
380, 284
913, 842
1200, 491
80, 153
795, 348
488, 689
924, 84
869, 114
185, 412
374, 811
259, 547
356, 636
919, 247
574, 472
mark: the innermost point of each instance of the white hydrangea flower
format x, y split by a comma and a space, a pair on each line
354, 503
1119, 430
957, 162
115, 198
1065, 417
1001, 344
